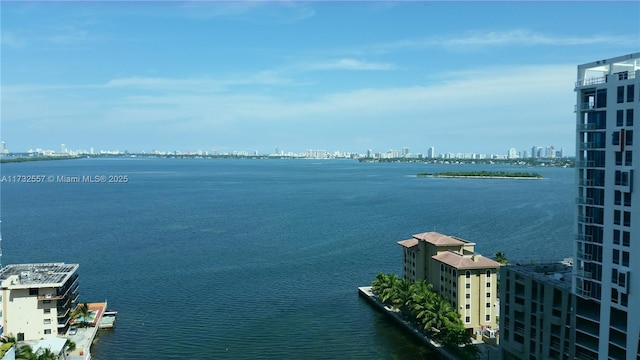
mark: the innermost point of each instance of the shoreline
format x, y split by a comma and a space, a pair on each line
483, 177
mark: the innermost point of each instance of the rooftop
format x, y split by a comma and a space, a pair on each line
462, 262
558, 274
30, 275
438, 239
409, 243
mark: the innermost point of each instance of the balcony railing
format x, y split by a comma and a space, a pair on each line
584, 127
591, 81
583, 274
585, 219
583, 200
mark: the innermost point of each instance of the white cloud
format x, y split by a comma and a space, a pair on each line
345, 64
490, 106
515, 37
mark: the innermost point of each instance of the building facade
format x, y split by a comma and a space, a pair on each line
37, 299
466, 279
536, 313
607, 227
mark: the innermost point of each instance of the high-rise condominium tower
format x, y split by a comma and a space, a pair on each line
607, 246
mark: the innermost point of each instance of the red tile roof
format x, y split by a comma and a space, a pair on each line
460, 262
439, 239
409, 243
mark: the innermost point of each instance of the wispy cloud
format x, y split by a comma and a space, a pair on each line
466, 104
515, 37
11, 40
344, 64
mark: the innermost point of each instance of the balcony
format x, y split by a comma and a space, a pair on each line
591, 145
583, 200
591, 81
584, 107
587, 127
585, 164
584, 256
583, 274
585, 219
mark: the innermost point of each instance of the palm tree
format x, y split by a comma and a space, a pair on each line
46, 354
81, 311
387, 288
25, 352
501, 258
403, 295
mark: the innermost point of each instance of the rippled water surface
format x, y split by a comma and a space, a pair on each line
248, 259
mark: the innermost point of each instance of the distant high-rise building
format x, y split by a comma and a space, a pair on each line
431, 153
512, 153
63, 149
405, 151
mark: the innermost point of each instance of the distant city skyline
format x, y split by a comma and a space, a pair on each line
405, 151
349, 76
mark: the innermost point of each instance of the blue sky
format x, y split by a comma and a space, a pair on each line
350, 76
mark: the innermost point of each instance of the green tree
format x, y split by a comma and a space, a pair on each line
81, 312
501, 258
25, 352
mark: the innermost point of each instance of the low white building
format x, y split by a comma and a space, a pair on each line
37, 299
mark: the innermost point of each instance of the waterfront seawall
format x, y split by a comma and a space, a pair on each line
367, 294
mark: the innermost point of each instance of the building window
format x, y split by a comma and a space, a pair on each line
617, 197
616, 237
619, 117
488, 305
629, 117
488, 273
33, 292
47, 331
616, 256
615, 138
628, 137
616, 217
47, 321
487, 318
467, 319
630, 93
488, 284
467, 296
468, 274
618, 157
627, 218
488, 294
467, 306
626, 238
468, 286
47, 301
620, 94
628, 158
47, 311
625, 258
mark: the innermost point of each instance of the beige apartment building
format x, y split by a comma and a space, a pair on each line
37, 299
467, 279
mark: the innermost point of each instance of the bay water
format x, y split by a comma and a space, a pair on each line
261, 259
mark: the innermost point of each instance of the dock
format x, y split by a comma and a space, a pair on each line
85, 336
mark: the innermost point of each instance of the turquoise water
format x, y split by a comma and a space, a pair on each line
261, 259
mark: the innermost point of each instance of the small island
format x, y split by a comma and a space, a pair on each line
483, 175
